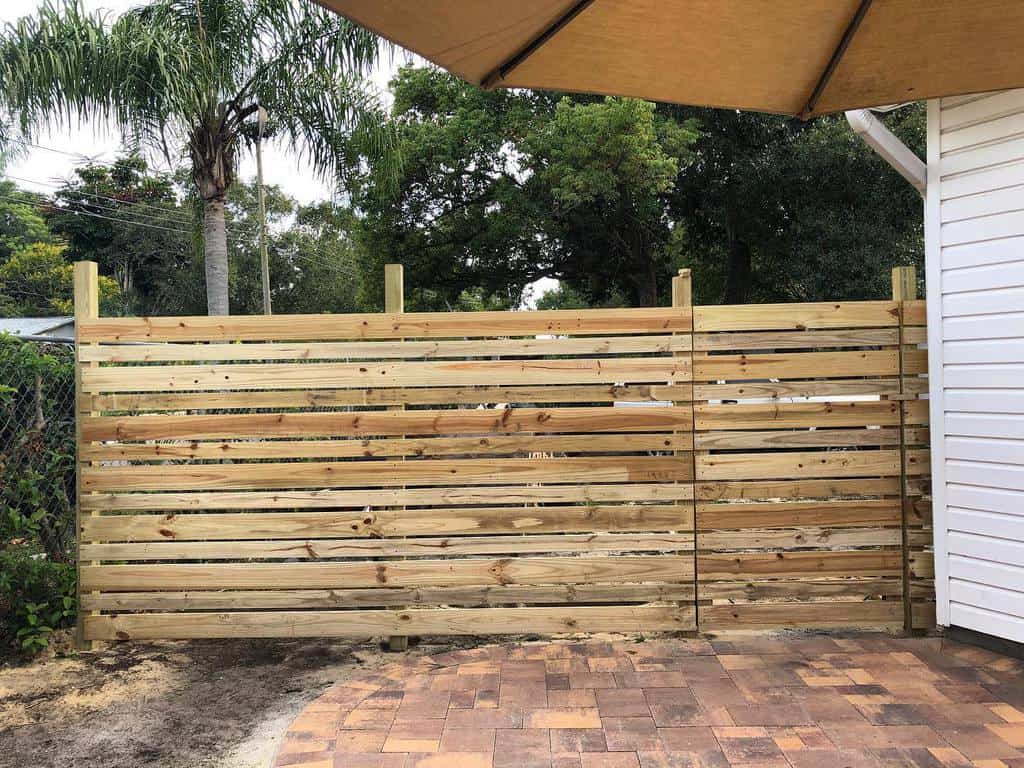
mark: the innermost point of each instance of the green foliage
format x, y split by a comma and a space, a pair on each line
778, 210
499, 189
21, 223
129, 221
312, 263
602, 172
186, 78
37, 280
37, 493
456, 219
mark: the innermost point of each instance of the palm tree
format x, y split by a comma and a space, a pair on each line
184, 78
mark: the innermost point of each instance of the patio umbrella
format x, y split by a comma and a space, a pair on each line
798, 57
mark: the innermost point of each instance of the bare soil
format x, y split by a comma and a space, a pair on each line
209, 704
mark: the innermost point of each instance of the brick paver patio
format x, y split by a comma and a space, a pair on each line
868, 700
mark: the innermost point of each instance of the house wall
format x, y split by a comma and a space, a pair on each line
975, 272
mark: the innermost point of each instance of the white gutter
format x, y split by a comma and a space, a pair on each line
892, 150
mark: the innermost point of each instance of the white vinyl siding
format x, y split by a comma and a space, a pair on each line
975, 251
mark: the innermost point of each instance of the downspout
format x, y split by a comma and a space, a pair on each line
889, 147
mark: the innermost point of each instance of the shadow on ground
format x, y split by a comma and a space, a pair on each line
209, 704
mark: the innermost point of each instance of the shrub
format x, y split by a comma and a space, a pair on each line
37, 492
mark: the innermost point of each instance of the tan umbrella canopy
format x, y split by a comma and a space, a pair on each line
798, 57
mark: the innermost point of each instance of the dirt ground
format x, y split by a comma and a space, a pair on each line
209, 704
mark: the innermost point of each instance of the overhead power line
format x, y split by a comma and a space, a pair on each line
84, 192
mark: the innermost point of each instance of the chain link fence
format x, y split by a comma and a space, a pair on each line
37, 488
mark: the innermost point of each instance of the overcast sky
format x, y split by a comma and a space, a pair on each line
97, 142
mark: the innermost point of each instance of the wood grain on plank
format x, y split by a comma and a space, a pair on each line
791, 317
442, 621
862, 337
749, 565
797, 365
377, 423
782, 514
398, 573
377, 396
385, 473
817, 388
797, 464
282, 599
361, 499
798, 538
493, 445
385, 350
426, 546
795, 415
801, 615
379, 523
386, 325
236, 376
795, 489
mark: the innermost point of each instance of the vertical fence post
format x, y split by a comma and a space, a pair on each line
682, 297
904, 288
87, 307
394, 302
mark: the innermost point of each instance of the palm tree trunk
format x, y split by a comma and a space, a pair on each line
215, 246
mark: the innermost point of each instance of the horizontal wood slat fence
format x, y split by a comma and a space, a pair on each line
676, 468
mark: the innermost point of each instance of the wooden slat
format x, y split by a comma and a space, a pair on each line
389, 522
803, 438
796, 389
795, 489
177, 378
796, 365
793, 317
462, 472
802, 615
795, 415
375, 396
781, 514
385, 325
801, 589
367, 547
506, 494
376, 423
398, 573
752, 565
915, 312
865, 337
381, 597
796, 464
444, 621
354, 448
796, 538
385, 350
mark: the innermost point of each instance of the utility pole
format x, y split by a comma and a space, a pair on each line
261, 118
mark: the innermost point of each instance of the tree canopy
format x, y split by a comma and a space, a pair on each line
611, 196
185, 79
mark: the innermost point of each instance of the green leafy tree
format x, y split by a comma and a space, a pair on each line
129, 221
458, 218
778, 210
38, 281
602, 171
186, 77
21, 222
499, 189
312, 264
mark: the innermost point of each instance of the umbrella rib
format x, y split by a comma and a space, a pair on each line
502, 71
837, 56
